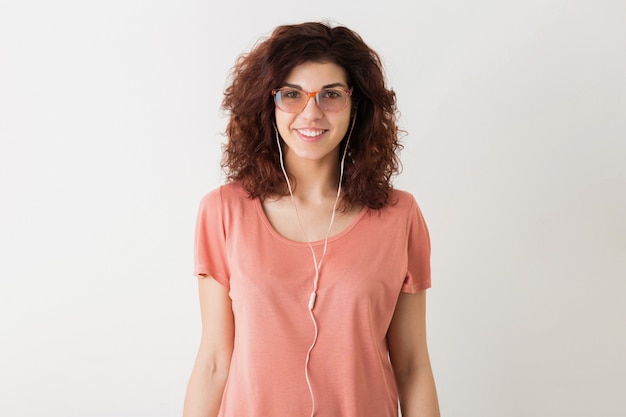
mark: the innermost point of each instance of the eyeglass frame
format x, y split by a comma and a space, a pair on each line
310, 94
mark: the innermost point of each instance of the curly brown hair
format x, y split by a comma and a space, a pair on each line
251, 155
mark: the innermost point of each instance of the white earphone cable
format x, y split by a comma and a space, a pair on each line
317, 265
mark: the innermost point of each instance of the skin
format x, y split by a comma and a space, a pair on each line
210, 371
313, 164
408, 352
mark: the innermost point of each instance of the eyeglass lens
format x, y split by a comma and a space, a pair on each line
293, 100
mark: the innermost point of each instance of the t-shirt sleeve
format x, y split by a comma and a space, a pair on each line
418, 247
210, 244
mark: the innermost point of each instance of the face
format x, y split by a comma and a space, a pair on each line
314, 134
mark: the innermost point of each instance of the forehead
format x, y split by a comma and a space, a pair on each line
313, 75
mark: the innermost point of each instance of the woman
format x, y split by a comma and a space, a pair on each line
312, 268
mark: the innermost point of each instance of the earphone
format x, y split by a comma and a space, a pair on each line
317, 265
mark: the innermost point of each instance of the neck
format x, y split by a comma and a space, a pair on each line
315, 180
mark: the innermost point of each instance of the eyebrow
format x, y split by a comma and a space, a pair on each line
333, 85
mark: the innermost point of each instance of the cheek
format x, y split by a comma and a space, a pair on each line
283, 121
343, 123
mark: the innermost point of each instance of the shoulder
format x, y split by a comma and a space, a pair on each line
228, 200
403, 207
227, 194
401, 200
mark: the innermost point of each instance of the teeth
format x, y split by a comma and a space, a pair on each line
310, 132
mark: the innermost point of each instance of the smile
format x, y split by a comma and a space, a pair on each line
310, 133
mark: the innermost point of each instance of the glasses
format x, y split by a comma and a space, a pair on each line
294, 100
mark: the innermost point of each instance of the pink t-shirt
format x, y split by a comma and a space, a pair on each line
367, 265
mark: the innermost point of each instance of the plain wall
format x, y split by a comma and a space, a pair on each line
110, 126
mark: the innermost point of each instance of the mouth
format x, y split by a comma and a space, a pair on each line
310, 134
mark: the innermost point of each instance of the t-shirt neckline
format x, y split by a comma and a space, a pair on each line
283, 239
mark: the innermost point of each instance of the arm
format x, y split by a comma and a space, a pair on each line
210, 371
408, 352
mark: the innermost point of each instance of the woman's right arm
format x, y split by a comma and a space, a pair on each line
210, 371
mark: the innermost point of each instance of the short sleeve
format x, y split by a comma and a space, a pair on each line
210, 244
418, 247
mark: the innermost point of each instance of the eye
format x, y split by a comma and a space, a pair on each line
290, 93
332, 94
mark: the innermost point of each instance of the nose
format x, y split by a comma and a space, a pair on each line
311, 108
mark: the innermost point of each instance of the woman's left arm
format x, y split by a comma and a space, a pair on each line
408, 352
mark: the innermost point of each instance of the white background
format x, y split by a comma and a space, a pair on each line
516, 150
